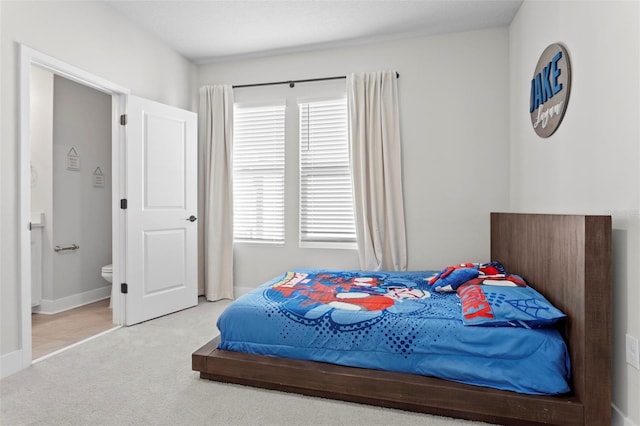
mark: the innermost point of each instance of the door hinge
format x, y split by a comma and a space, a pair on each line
123, 204
123, 120
30, 227
124, 288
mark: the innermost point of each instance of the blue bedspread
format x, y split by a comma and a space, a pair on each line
390, 321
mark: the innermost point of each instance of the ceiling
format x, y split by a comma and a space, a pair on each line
217, 30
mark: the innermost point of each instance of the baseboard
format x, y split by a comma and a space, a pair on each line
619, 419
10, 363
50, 307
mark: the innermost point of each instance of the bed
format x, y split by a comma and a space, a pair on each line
567, 258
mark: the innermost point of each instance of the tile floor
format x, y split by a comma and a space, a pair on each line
50, 333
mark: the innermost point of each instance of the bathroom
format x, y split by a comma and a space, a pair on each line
71, 195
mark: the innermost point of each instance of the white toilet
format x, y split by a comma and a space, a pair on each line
107, 272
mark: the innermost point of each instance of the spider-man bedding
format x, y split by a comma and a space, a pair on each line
396, 321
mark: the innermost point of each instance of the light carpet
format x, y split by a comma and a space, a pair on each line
141, 375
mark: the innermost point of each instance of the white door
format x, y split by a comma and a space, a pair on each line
161, 232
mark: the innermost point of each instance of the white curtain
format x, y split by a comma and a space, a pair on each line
374, 138
216, 133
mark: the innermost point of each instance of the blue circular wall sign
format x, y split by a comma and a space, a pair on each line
550, 88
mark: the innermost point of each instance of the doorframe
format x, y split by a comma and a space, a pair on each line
29, 57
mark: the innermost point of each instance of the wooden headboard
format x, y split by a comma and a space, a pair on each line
568, 259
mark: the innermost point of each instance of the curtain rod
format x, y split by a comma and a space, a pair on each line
292, 83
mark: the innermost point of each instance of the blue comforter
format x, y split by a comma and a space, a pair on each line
390, 321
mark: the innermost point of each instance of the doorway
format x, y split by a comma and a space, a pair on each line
71, 230
30, 58
153, 180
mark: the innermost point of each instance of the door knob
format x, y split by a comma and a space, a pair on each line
192, 218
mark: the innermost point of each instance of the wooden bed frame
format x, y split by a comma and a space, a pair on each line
565, 257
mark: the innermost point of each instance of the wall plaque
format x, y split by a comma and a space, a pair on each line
98, 178
73, 161
550, 88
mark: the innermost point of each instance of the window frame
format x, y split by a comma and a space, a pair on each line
280, 240
328, 243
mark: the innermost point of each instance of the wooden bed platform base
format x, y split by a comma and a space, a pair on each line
565, 257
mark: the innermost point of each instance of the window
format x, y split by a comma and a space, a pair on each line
258, 173
326, 198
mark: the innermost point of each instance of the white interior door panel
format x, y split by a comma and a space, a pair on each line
161, 233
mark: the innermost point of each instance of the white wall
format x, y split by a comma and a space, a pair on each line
591, 165
95, 38
454, 111
81, 211
65, 114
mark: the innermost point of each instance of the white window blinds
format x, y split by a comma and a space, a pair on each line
326, 198
258, 173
